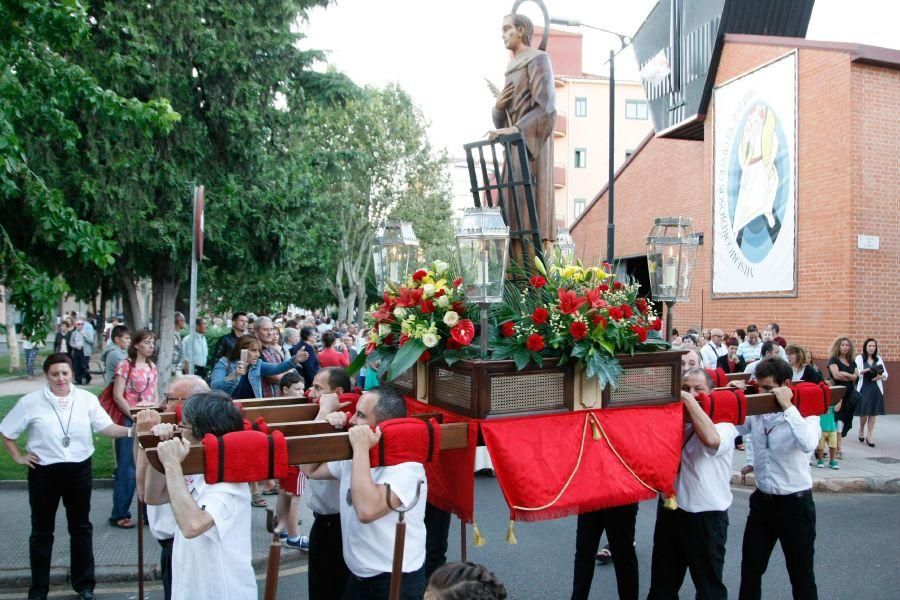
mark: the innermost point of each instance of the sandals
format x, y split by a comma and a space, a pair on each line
272, 491
123, 523
258, 501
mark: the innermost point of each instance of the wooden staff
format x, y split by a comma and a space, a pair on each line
399, 539
274, 560
140, 535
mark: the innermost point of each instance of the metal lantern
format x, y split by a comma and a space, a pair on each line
566, 245
482, 240
671, 252
394, 253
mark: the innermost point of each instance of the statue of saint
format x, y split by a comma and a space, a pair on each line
527, 104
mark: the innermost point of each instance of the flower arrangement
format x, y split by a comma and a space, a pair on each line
421, 320
574, 312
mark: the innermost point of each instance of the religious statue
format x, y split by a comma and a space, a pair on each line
527, 104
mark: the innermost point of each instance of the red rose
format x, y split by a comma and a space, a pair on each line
538, 282
604, 288
569, 301
425, 356
615, 313
617, 285
626, 310
535, 343
427, 306
540, 316
578, 330
599, 320
457, 282
439, 293
657, 325
388, 339
458, 307
463, 332
403, 339
640, 331
508, 329
420, 275
642, 305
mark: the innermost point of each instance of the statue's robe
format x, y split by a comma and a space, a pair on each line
533, 110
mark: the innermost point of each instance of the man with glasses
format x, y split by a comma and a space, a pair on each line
782, 507
713, 349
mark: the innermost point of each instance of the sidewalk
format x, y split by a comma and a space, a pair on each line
863, 469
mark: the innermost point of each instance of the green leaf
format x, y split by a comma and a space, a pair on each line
406, 357
522, 357
451, 356
357, 364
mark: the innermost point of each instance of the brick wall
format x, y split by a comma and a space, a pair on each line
848, 184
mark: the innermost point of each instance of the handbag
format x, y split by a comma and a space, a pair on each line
108, 403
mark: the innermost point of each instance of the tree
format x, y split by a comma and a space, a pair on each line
41, 89
374, 161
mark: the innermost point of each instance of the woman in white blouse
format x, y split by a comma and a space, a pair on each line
60, 420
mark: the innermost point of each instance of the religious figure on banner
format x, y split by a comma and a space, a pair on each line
759, 180
527, 104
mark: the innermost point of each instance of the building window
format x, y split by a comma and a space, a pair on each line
580, 107
580, 203
580, 158
635, 109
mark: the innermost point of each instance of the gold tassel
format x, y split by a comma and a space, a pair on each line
477, 537
595, 431
511, 534
670, 503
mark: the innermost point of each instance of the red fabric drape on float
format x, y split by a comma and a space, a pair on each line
451, 479
563, 464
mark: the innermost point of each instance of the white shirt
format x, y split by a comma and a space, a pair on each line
216, 564
710, 354
161, 520
781, 466
704, 479
323, 496
750, 351
369, 548
195, 349
40, 413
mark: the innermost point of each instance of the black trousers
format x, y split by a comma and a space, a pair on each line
328, 574
791, 520
412, 586
437, 532
618, 523
81, 364
71, 482
165, 566
683, 541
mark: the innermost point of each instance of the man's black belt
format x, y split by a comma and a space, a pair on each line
792, 495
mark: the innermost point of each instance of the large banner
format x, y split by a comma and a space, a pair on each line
754, 182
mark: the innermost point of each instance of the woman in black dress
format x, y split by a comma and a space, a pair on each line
871, 404
842, 370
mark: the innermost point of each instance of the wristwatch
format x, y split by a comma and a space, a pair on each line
131, 432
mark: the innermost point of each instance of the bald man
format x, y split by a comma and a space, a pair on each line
713, 349
151, 484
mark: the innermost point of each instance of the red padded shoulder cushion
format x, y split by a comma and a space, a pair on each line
719, 377
406, 440
811, 399
245, 456
725, 406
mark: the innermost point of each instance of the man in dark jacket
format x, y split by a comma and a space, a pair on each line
227, 341
307, 342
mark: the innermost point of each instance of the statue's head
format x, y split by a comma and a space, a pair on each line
521, 25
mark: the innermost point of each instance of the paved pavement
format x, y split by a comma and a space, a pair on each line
863, 469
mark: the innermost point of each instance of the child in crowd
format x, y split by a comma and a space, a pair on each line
829, 438
291, 487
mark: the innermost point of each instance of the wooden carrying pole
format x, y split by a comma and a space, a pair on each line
274, 560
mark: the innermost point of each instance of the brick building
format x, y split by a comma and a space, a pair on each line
847, 186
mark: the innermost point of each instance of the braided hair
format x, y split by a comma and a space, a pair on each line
465, 581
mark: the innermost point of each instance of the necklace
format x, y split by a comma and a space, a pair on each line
140, 393
770, 430
65, 430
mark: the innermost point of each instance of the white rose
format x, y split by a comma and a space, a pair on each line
428, 289
400, 312
440, 267
443, 301
430, 340
451, 318
384, 329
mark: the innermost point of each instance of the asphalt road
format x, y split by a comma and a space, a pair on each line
856, 552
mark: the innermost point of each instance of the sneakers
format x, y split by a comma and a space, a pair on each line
820, 463
300, 544
834, 465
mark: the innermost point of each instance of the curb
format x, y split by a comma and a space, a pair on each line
836, 485
14, 578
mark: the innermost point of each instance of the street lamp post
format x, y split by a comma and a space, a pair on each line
393, 253
482, 240
671, 252
624, 40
